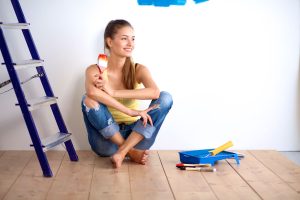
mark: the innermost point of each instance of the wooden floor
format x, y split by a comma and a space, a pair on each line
261, 175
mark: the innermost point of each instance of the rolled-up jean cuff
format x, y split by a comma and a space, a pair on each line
147, 131
110, 130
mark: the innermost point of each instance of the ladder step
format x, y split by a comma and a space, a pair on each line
54, 140
15, 25
27, 63
36, 103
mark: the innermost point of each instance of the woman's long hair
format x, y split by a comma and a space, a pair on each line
128, 72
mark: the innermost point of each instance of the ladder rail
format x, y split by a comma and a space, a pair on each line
32, 48
23, 105
45, 82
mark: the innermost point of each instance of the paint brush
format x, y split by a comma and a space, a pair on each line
102, 62
201, 169
192, 165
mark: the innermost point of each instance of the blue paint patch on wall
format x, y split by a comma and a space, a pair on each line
145, 2
165, 3
162, 3
200, 1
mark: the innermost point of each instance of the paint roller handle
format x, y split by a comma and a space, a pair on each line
221, 148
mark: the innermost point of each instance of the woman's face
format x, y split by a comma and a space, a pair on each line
122, 44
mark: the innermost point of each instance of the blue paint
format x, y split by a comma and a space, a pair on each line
200, 1
178, 2
161, 3
145, 2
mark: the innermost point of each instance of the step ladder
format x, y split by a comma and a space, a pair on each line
63, 136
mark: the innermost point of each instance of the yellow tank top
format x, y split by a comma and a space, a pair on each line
119, 116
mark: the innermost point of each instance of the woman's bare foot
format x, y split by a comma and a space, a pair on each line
117, 160
139, 156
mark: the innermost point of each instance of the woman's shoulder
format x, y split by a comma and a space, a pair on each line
140, 67
92, 68
141, 71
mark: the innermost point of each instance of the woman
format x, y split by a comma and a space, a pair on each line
114, 124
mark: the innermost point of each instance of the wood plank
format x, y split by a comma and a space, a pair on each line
149, 181
73, 179
54, 158
267, 184
287, 170
32, 184
109, 184
12, 164
262, 174
184, 184
29, 187
227, 184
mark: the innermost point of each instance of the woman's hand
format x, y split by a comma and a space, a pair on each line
144, 114
102, 84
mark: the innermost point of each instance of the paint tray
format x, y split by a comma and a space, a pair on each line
203, 156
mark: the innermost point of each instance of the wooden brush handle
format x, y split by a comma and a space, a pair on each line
201, 169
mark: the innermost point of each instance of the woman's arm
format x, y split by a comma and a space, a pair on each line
151, 91
101, 96
96, 94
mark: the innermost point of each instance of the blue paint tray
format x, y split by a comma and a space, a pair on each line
204, 157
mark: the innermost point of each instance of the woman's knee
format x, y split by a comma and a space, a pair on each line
165, 100
90, 103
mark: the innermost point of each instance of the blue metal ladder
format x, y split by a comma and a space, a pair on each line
63, 136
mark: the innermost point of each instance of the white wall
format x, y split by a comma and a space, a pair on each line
232, 67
